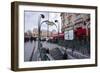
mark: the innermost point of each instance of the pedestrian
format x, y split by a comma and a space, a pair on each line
31, 38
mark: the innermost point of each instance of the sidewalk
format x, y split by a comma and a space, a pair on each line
76, 54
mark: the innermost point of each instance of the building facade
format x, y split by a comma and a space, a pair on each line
74, 21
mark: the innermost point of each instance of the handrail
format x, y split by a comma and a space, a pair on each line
50, 57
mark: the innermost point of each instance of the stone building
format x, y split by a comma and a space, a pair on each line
73, 21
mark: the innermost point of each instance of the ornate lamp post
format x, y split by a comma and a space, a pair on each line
39, 32
58, 28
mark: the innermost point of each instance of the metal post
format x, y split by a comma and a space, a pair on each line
39, 19
47, 31
48, 27
39, 32
58, 29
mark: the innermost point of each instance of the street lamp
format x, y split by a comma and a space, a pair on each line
58, 28
42, 16
39, 31
58, 25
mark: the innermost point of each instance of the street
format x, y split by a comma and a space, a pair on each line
56, 52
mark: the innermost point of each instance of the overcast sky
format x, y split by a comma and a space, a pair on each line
31, 20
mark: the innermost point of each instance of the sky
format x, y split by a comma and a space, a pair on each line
31, 20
